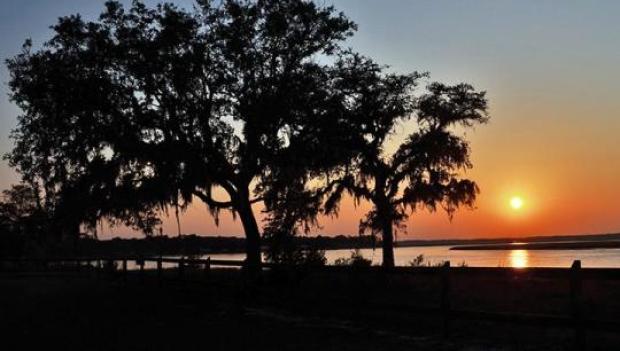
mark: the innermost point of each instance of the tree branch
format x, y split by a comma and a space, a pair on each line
207, 199
258, 199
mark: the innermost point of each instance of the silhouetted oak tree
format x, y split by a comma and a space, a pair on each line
150, 107
423, 171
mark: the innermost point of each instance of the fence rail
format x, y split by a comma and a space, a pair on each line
575, 275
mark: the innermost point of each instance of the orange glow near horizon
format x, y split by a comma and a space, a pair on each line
559, 197
566, 186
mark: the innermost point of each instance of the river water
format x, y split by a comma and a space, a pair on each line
518, 258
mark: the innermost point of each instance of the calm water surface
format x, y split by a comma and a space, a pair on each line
482, 258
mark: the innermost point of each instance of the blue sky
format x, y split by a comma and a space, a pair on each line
552, 76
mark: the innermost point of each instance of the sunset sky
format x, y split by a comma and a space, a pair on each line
551, 72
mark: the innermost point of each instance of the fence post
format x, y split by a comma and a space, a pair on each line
125, 269
576, 305
160, 270
445, 297
140, 262
99, 268
181, 267
110, 266
207, 266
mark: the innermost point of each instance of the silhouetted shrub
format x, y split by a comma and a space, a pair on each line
314, 258
356, 260
418, 261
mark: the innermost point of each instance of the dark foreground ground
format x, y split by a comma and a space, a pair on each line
89, 311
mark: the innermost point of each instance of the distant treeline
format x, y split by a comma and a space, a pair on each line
196, 245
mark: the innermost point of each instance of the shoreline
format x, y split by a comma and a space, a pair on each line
574, 245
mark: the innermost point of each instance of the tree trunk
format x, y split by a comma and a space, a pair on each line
385, 210
252, 234
388, 244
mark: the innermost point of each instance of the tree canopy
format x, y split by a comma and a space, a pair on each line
424, 170
148, 108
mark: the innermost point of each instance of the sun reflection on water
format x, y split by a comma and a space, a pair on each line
518, 258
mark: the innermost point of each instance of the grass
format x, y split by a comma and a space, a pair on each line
321, 311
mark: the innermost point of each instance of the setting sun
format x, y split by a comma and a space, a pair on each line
516, 202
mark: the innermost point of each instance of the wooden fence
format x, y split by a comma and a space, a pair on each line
575, 319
